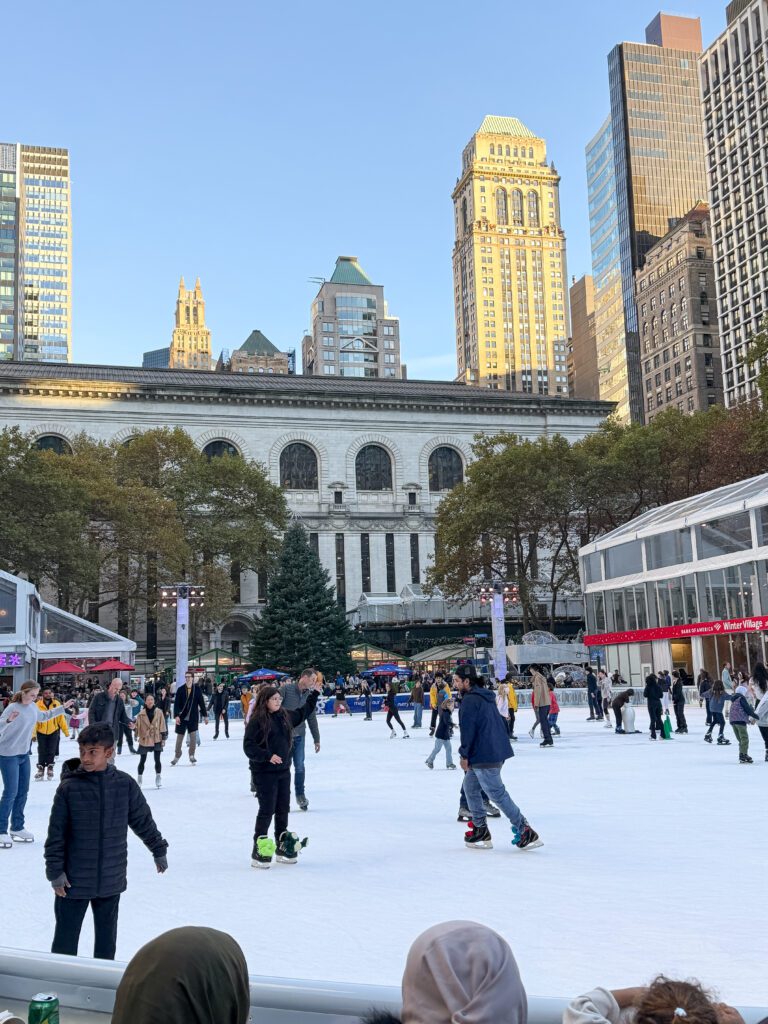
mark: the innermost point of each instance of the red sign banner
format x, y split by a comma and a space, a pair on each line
636, 636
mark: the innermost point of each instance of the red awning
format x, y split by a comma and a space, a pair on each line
112, 665
63, 668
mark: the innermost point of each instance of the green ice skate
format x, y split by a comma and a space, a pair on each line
289, 848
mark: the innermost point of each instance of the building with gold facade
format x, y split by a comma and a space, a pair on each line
509, 263
191, 340
35, 254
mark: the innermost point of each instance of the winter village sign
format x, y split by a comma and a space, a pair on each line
635, 636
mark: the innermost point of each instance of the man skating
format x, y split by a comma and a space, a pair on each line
219, 704
188, 707
108, 706
48, 735
294, 696
484, 748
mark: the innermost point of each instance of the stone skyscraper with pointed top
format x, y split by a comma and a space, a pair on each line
191, 340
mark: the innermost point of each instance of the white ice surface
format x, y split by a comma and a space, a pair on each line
654, 860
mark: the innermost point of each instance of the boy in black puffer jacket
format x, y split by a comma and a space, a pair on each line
86, 851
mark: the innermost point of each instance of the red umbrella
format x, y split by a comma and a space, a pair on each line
112, 665
64, 668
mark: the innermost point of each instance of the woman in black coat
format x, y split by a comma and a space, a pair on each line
652, 693
267, 743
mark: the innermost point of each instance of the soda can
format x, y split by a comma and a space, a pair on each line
44, 1009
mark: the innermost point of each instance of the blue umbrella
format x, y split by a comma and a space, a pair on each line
261, 675
386, 670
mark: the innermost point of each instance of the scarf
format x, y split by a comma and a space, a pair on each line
460, 972
186, 976
150, 713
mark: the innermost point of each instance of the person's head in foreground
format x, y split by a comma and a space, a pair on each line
185, 976
460, 972
682, 1002
97, 746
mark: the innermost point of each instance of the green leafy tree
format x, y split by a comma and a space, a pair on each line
302, 624
758, 353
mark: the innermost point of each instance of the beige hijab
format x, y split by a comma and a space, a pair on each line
460, 972
185, 976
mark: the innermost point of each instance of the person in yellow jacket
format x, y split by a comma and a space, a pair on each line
512, 703
48, 734
433, 691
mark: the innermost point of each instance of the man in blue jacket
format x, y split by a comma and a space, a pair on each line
484, 748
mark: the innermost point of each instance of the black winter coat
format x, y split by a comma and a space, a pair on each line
653, 690
678, 692
88, 830
278, 739
97, 711
219, 702
444, 725
189, 707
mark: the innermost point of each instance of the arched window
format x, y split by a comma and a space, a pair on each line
517, 207
493, 149
446, 469
215, 450
530, 153
502, 216
533, 210
464, 221
506, 151
373, 469
516, 153
298, 467
53, 443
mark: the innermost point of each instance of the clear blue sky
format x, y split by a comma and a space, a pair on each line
250, 143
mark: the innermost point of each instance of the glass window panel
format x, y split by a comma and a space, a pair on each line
591, 568
7, 607
373, 469
446, 469
717, 591
298, 468
723, 536
665, 603
629, 603
762, 525
619, 617
689, 593
672, 548
640, 610
624, 559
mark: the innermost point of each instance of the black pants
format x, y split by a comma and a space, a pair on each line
511, 722
617, 713
679, 707
546, 732
764, 733
144, 754
124, 732
594, 705
433, 720
654, 713
709, 713
392, 712
69, 915
223, 717
718, 718
47, 748
273, 790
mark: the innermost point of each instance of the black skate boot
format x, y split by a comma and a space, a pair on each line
464, 814
490, 810
478, 838
723, 742
745, 759
528, 839
39, 773
263, 852
289, 848
302, 802
708, 737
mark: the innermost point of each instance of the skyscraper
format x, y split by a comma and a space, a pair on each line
583, 378
736, 112
657, 146
35, 253
353, 334
191, 339
509, 263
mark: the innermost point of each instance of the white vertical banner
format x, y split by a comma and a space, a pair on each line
499, 636
182, 634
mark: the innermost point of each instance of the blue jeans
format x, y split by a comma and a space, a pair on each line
15, 772
368, 703
490, 780
418, 710
441, 745
297, 755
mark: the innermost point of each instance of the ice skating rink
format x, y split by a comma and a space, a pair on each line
653, 860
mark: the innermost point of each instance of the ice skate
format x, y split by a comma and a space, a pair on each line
590, 719
532, 731
708, 737
49, 772
174, 762
302, 803
491, 811
620, 732
743, 759
547, 743
140, 780
464, 814
429, 764
392, 734
556, 730
158, 782
289, 848
528, 839
39, 773
452, 767
263, 852
406, 736
723, 742
607, 723
5, 841
20, 835
478, 838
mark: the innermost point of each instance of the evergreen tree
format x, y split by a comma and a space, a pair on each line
301, 624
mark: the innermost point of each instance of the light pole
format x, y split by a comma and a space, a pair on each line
182, 597
499, 595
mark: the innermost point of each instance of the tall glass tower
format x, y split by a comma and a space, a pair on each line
658, 167
35, 253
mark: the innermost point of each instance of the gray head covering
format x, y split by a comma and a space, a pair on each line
460, 972
186, 976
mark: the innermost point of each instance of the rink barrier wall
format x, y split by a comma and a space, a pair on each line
88, 988
566, 698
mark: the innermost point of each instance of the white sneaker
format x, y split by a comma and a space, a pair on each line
22, 836
5, 841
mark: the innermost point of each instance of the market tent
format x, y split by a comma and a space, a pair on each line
63, 668
261, 675
444, 652
112, 665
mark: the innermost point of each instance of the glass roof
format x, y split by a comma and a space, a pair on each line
699, 508
60, 628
